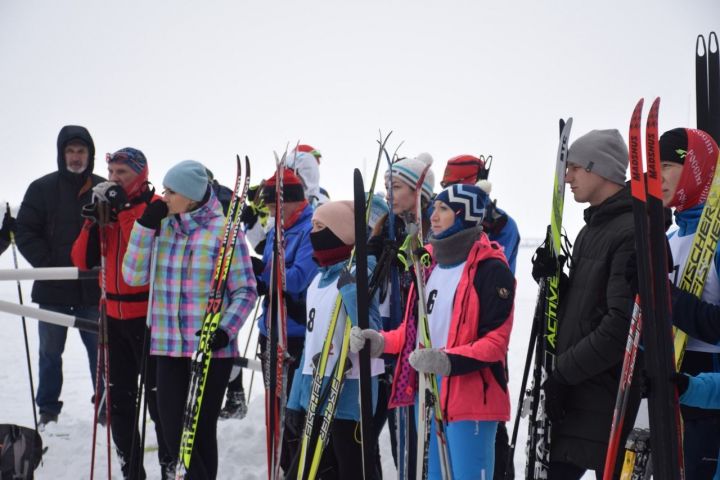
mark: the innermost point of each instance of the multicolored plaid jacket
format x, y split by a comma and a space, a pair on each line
187, 249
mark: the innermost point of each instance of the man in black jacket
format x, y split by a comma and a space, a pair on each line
594, 314
48, 223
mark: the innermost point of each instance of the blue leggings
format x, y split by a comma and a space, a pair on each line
471, 445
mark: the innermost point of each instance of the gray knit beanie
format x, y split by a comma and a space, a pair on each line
188, 178
602, 152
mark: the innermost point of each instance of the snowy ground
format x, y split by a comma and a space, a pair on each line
242, 451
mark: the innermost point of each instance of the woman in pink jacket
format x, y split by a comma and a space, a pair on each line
469, 297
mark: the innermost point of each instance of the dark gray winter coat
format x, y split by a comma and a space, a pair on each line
49, 221
594, 319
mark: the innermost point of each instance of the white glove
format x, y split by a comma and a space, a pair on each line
100, 191
358, 336
430, 360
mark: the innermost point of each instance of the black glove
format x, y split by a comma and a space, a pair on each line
544, 263
555, 395
631, 268
294, 422
375, 245
9, 224
219, 339
117, 198
296, 309
345, 278
153, 214
91, 211
682, 381
631, 273
249, 216
258, 266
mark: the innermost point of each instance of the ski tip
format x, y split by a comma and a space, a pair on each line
654, 109
700, 47
713, 43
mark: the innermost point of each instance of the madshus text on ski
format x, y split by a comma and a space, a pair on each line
399, 319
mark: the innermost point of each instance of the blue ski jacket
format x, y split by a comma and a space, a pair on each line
300, 268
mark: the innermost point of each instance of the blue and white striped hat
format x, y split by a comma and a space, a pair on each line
408, 170
467, 201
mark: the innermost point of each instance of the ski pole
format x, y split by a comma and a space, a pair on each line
24, 324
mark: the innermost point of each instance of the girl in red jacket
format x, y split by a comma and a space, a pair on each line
470, 292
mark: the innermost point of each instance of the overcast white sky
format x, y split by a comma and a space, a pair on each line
207, 80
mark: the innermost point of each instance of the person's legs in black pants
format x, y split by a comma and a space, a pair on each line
124, 371
173, 375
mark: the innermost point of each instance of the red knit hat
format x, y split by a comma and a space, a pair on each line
311, 150
292, 188
465, 169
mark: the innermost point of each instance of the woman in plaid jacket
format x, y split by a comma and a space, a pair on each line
188, 226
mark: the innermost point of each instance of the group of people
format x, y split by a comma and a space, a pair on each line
158, 253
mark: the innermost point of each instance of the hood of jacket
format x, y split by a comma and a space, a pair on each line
75, 132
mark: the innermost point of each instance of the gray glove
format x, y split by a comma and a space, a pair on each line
358, 337
100, 191
430, 360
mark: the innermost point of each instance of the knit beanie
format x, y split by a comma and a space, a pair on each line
408, 171
135, 159
697, 152
337, 216
673, 146
468, 202
602, 152
188, 178
311, 150
292, 188
465, 169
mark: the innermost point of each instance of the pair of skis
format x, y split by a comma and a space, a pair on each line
213, 311
707, 85
429, 408
654, 293
276, 364
543, 334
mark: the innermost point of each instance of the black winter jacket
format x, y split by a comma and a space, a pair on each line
593, 323
49, 221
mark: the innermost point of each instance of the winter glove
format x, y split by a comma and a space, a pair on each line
117, 198
555, 395
631, 268
631, 273
294, 422
9, 224
544, 263
153, 214
430, 360
258, 266
345, 278
111, 193
682, 381
219, 339
249, 216
296, 309
358, 336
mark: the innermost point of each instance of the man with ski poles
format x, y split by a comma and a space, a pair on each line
594, 312
127, 193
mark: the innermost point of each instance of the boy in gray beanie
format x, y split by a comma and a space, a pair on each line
597, 163
594, 311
